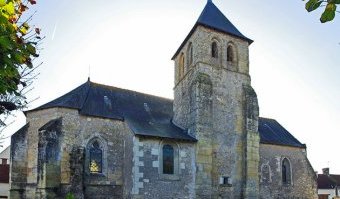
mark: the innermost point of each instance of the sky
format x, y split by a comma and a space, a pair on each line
294, 60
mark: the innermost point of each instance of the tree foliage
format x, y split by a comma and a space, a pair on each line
329, 11
18, 49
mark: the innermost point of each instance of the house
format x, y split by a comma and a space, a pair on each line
100, 141
328, 185
4, 173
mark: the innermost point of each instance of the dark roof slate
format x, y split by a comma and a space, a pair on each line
212, 17
271, 132
148, 115
328, 181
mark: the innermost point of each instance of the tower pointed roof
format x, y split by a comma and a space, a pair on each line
212, 17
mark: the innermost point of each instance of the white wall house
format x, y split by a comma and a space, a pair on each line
4, 173
328, 184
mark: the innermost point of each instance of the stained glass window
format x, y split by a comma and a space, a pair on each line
168, 159
96, 157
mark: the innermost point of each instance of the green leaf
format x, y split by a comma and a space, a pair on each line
5, 43
334, 1
31, 49
19, 58
312, 5
329, 13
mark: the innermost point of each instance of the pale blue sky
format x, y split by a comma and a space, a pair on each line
294, 60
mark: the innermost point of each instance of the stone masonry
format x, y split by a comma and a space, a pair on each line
210, 101
102, 142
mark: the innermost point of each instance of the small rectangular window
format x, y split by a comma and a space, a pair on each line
3, 160
224, 180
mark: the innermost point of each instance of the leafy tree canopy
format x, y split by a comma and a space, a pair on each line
329, 11
18, 48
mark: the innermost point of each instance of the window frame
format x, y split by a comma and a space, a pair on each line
190, 55
181, 63
288, 174
176, 169
214, 49
232, 64
103, 147
93, 150
170, 154
230, 54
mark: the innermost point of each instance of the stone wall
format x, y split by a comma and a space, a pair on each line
18, 166
252, 139
210, 103
77, 131
149, 182
303, 184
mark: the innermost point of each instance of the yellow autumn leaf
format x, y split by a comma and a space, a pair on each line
2, 3
23, 30
26, 25
15, 26
9, 8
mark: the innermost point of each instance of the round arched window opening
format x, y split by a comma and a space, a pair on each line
96, 158
181, 65
214, 50
190, 54
231, 54
286, 172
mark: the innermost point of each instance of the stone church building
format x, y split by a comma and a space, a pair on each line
100, 141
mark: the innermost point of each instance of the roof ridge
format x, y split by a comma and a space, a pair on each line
129, 90
87, 93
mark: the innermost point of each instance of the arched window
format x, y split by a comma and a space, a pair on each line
214, 50
95, 155
286, 172
168, 159
181, 65
230, 54
96, 158
190, 54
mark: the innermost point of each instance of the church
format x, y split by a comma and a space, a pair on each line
101, 142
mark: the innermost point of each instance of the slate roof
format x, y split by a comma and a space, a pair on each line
148, 115
328, 181
212, 17
271, 132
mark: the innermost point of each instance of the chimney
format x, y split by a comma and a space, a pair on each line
325, 171
3, 160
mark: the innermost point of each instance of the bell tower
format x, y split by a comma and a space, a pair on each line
214, 100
